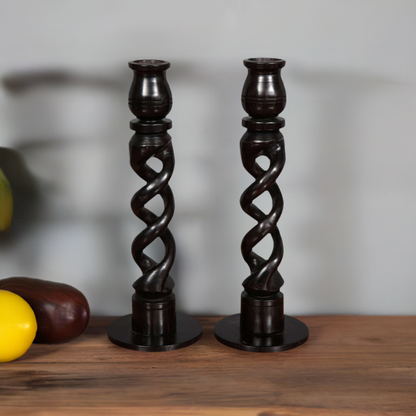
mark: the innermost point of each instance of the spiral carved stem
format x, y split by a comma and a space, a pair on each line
264, 279
155, 279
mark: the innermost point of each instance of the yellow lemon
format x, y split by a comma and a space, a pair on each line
18, 326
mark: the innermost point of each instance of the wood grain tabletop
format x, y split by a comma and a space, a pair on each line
350, 366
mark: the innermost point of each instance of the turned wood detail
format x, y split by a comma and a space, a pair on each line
263, 98
150, 100
154, 324
261, 325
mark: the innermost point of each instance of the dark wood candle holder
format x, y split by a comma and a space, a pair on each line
262, 326
154, 324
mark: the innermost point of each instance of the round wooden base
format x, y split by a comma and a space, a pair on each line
188, 331
227, 331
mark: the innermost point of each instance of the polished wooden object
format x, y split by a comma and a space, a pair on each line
153, 324
262, 325
351, 366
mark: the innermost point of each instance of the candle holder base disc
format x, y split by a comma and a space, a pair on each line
188, 331
227, 331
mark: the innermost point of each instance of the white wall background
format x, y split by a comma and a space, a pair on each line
349, 184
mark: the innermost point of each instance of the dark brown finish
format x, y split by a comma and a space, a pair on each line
261, 325
153, 323
62, 312
229, 332
150, 100
186, 330
263, 96
351, 366
150, 97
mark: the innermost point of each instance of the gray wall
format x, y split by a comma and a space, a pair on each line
349, 184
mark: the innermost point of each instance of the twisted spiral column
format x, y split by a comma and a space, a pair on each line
155, 280
262, 326
264, 278
153, 324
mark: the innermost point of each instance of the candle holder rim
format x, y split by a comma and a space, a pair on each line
264, 63
146, 64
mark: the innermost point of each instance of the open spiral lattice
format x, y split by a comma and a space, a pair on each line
155, 280
264, 279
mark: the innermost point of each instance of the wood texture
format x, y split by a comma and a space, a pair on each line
351, 366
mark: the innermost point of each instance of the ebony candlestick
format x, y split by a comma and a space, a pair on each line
154, 324
262, 325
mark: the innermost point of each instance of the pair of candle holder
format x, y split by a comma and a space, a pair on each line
154, 324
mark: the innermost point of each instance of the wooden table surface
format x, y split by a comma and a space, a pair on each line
351, 365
